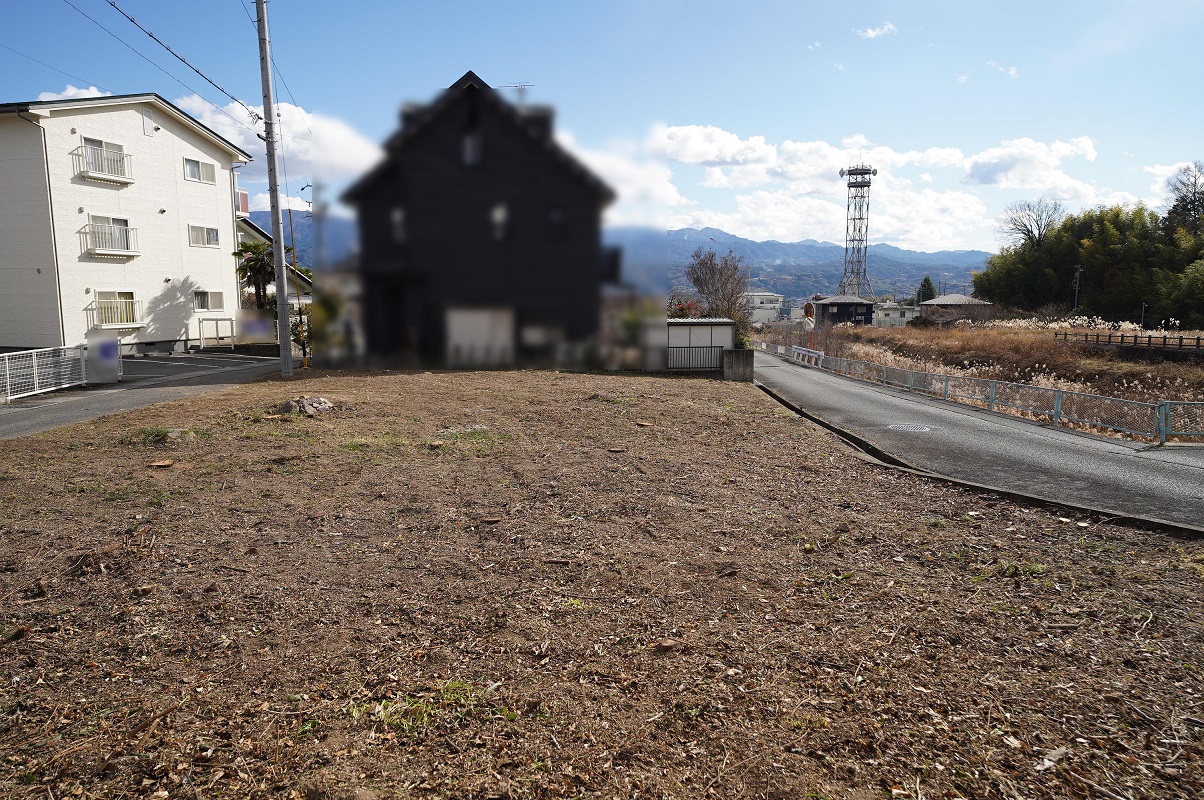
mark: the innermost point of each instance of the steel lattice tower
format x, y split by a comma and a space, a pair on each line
856, 281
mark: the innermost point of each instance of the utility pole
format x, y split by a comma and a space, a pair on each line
283, 333
1078, 279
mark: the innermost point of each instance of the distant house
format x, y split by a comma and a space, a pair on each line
844, 308
480, 235
764, 306
117, 218
894, 315
950, 307
300, 286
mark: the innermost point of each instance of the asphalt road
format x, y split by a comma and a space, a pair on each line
147, 381
1114, 476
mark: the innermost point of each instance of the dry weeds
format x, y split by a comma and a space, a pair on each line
547, 585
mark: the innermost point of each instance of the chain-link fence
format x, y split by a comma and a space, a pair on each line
1055, 406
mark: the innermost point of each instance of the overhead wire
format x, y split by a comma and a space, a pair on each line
254, 115
156, 66
56, 69
255, 24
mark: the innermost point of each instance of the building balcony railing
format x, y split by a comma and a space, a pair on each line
110, 240
99, 164
242, 204
115, 314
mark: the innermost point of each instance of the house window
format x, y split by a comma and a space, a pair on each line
116, 308
499, 216
103, 157
201, 171
557, 224
473, 145
398, 219
208, 301
200, 236
110, 233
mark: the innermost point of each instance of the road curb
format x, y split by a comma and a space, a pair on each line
869, 451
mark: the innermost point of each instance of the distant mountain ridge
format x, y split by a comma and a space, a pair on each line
653, 259
800, 269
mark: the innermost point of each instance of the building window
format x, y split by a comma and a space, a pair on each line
499, 216
557, 224
105, 158
398, 220
473, 146
200, 236
111, 233
208, 301
201, 171
116, 308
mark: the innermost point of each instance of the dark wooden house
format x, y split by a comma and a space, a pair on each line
844, 308
480, 236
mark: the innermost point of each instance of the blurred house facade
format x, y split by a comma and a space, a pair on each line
479, 236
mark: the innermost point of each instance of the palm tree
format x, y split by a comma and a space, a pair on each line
257, 268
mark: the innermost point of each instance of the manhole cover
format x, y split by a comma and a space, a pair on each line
911, 427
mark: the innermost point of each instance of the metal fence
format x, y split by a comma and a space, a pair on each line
29, 372
696, 358
1057, 406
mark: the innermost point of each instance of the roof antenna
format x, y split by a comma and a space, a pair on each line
521, 88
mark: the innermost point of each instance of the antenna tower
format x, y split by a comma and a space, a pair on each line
520, 88
856, 281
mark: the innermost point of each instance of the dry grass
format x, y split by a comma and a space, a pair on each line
539, 585
1022, 356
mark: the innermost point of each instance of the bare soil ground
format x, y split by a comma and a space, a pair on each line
534, 584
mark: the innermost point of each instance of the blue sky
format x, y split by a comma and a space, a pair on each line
732, 114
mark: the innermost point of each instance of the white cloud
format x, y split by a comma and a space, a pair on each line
709, 145
313, 144
1159, 194
1033, 166
839, 66
814, 46
263, 202
1009, 71
962, 77
72, 93
642, 181
874, 33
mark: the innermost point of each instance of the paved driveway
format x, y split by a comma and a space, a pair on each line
1119, 477
149, 380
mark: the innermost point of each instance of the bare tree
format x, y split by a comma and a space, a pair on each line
1187, 198
1027, 222
721, 282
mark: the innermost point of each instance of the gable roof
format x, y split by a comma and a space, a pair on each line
47, 107
955, 300
419, 117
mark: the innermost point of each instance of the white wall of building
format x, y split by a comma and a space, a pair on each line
29, 306
160, 204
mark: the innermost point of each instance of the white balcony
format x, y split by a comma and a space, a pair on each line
242, 205
115, 314
112, 241
99, 164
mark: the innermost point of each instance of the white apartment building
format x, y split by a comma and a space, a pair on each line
764, 306
117, 217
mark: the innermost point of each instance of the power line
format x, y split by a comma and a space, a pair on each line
56, 69
183, 60
165, 72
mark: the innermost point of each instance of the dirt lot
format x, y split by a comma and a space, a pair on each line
536, 584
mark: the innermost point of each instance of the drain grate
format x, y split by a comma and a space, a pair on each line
910, 427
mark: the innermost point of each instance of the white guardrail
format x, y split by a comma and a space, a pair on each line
28, 372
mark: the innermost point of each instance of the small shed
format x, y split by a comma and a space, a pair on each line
844, 308
698, 344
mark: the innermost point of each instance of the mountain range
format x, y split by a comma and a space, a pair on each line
654, 260
800, 269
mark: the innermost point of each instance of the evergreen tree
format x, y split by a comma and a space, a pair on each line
926, 291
